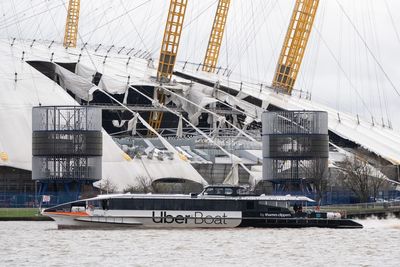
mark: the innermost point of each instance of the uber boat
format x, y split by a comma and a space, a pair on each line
215, 207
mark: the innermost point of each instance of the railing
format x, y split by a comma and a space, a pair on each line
359, 206
365, 209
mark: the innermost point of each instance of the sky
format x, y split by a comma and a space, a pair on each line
351, 61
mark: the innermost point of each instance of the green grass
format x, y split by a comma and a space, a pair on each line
18, 212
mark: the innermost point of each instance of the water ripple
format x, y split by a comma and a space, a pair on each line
41, 244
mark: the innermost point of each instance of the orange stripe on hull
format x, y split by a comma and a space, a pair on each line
81, 214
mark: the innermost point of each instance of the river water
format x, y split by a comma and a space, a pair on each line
41, 244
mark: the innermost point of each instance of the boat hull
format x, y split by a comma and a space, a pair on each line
93, 222
299, 223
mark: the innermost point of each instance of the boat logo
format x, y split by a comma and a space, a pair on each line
198, 218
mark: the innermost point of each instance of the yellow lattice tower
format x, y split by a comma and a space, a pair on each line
217, 33
169, 50
170, 42
295, 44
71, 26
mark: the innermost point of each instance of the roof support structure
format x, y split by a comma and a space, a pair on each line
169, 51
295, 43
170, 42
216, 35
71, 26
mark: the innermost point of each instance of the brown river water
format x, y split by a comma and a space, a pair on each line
41, 244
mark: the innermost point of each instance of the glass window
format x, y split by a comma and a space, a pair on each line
250, 205
228, 191
189, 204
138, 204
219, 191
148, 204
242, 191
209, 191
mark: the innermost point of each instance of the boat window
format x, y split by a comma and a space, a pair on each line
138, 204
281, 203
149, 204
166, 204
105, 204
197, 204
250, 205
179, 204
209, 191
192, 205
242, 192
158, 204
219, 191
228, 191
231, 205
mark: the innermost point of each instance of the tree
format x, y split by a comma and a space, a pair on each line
317, 172
144, 185
361, 178
108, 187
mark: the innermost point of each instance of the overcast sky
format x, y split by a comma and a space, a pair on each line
351, 62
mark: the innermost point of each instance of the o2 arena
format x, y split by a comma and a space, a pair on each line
183, 118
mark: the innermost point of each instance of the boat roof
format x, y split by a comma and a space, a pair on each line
222, 197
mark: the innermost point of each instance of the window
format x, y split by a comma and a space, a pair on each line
209, 191
148, 204
228, 191
250, 205
105, 204
219, 191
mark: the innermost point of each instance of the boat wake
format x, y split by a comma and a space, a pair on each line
375, 223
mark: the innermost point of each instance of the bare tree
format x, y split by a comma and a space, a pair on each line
108, 187
361, 178
144, 185
317, 172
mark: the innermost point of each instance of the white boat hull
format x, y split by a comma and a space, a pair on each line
147, 219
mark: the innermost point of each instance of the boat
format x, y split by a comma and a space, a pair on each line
217, 206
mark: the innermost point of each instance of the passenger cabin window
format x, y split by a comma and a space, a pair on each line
209, 191
242, 192
228, 191
219, 191
105, 204
250, 205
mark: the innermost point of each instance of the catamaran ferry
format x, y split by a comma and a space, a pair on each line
215, 207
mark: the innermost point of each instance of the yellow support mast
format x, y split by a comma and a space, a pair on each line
295, 44
71, 26
217, 33
169, 50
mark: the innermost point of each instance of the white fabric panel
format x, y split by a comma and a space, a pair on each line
250, 109
112, 86
84, 72
233, 176
76, 84
198, 94
132, 124
179, 129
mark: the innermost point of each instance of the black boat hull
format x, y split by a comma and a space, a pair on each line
299, 223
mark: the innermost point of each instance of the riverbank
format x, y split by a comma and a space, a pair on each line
365, 210
22, 214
